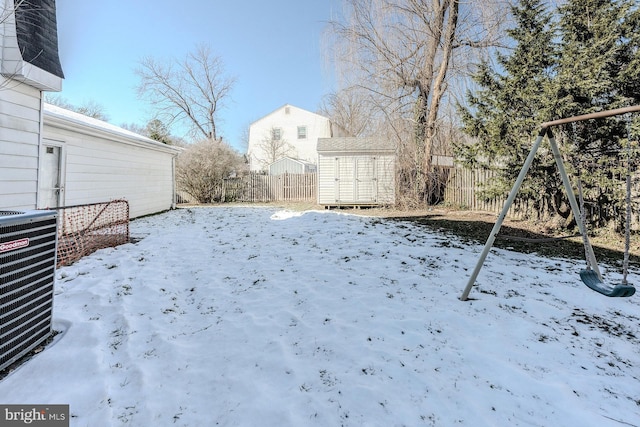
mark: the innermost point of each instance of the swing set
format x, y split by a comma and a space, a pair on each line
591, 275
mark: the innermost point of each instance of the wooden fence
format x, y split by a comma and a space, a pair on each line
270, 188
463, 189
464, 185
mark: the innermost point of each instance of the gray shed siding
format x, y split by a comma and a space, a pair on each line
289, 165
355, 171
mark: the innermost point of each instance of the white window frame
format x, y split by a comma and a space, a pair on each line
302, 135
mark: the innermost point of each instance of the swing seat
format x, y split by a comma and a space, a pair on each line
591, 279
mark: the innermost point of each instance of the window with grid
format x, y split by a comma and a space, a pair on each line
302, 132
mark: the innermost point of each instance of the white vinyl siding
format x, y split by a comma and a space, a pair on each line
19, 140
288, 165
355, 171
102, 167
355, 180
326, 181
366, 189
345, 180
290, 120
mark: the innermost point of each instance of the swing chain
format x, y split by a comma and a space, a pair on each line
583, 213
627, 225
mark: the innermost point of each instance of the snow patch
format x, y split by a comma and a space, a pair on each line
220, 316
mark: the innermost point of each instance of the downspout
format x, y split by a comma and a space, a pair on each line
40, 142
174, 195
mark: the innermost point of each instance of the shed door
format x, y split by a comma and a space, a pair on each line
365, 179
50, 182
345, 173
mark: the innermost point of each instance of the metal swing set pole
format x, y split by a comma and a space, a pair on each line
503, 214
545, 130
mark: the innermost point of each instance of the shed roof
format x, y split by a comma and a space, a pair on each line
354, 144
37, 33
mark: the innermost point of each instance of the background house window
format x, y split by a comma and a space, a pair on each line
276, 134
302, 132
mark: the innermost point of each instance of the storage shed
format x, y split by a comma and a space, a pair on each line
289, 165
356, 172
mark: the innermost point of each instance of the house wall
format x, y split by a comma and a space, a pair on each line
287, 118
20, 106
103, 163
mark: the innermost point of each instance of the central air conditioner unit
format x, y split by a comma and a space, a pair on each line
28, 244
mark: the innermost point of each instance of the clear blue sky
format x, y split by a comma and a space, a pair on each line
273, 48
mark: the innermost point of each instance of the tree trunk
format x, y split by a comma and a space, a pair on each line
433, 89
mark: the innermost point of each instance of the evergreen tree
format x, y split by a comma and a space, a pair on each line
597, 70
593, 66
591, 56
157, 130
629, 59
511, 102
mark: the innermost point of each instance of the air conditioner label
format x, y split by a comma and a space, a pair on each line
16, 244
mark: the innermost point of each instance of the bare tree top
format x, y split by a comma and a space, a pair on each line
193, 90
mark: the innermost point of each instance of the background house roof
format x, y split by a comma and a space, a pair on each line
37, 33
288, 106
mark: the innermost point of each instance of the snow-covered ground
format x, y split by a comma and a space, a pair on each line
235, 316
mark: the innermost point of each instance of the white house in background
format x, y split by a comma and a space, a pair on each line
286, 132
84, 160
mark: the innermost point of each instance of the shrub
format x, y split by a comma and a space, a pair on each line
202, 167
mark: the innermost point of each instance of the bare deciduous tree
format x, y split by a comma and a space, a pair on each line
405, 53
90, 108
7, 10
134, 127
351, 110
193, 89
